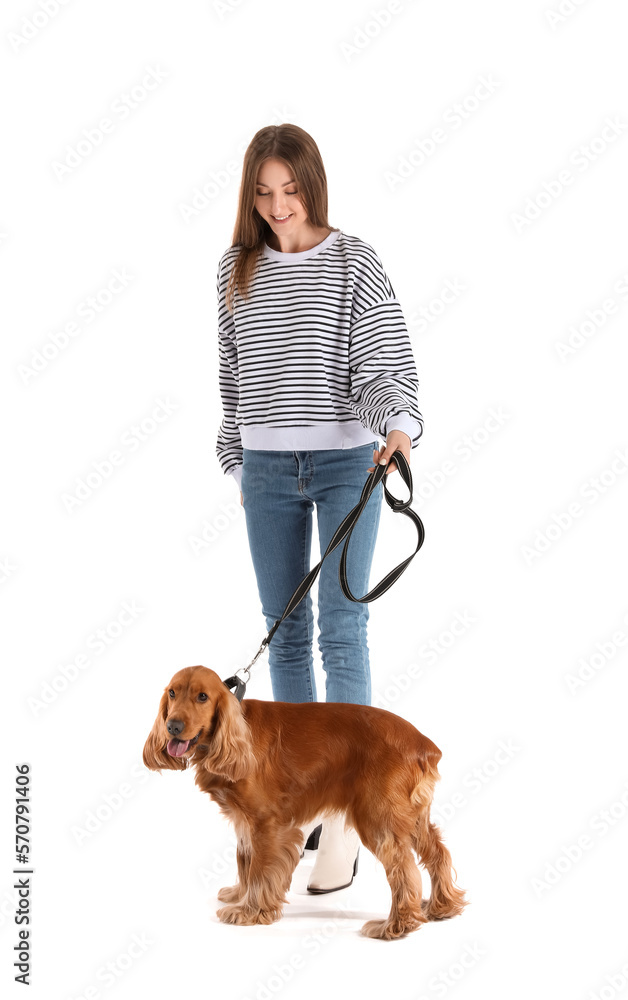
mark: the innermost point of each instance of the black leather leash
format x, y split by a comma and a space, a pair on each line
343, 532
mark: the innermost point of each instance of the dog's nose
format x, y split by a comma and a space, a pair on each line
175, 726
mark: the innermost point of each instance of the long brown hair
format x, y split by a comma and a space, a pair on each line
301, 154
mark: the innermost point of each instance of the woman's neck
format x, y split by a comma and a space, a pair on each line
298, 242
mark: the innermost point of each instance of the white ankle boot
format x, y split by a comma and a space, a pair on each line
337, 857
309, 829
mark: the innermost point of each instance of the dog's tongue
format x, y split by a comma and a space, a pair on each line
176, 748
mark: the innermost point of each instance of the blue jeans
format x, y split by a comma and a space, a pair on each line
279, 492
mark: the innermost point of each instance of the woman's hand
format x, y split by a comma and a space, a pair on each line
241, 501
396, 441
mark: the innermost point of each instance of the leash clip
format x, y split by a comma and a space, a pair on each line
263, 646
239, 685
241, 678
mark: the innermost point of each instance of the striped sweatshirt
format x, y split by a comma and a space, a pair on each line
318, 356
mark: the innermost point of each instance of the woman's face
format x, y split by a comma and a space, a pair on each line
277, 198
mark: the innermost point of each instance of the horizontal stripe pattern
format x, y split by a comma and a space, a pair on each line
319, 341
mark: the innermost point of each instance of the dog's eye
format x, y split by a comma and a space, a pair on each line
171, 693
202, 696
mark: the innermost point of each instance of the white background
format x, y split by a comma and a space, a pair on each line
531, 230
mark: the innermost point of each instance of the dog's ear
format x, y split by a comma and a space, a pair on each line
230, 753
155, 754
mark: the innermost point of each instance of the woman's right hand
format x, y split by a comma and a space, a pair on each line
241, 501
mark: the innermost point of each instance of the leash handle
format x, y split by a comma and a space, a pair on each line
398, 507
343, 533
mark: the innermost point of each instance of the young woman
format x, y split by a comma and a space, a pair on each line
315, 367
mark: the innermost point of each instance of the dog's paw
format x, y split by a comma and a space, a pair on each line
442, 914
388, 930
443, 909
230, 893
246, 915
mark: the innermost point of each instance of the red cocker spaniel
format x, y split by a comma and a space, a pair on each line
274, 766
